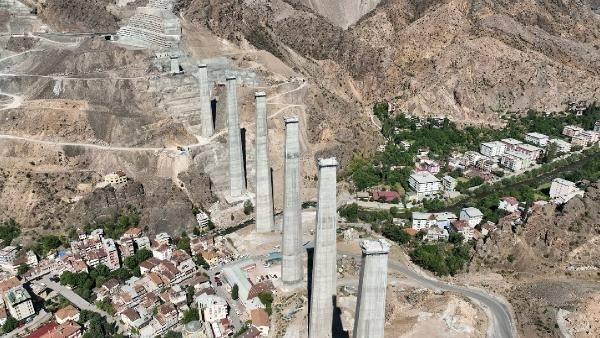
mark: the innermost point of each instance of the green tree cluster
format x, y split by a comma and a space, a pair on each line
9, 230
441, 258
96, 325
267, 299
190, 315
10, 324
45, 244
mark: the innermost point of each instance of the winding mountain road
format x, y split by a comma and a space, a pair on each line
501, 322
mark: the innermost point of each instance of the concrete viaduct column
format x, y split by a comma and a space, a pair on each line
206, 119
292, 270
236, 166
369, 318
264, 194
324, 261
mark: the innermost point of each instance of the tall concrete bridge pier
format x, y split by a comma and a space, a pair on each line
369, 319
236, 165
206, 118
292, 270
264, 193
324, 261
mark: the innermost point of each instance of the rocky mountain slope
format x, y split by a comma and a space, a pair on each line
551, 262
464, 58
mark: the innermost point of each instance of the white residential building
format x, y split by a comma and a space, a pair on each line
437, 234
202, 219
561, 146
515, 161
532, 152
142, 242
510, 143
561, 191
19, 304
424, 184
449, 183
213, 307
571, 131
463, 228
588, 136
472, 216
597, 127
492, 149
537, 139
32, 259
425, 220
8, 255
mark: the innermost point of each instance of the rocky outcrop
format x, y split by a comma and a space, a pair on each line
78, 15
552, 239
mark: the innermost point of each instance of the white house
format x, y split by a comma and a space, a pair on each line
424, 184
510, 143
561, 187
571, 131
425, 220
561, 191
213, 307
537, 139
449, 183
463, 228
437, 234
492, 149
18, 302
561, 145
472, 216
509, 204
532, 152
515, 161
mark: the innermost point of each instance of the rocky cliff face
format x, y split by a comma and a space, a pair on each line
552, 239
342, 13
467, 59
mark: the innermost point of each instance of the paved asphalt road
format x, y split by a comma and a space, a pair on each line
78, 301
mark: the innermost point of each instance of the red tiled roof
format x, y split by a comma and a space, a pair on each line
388, 196
42, 330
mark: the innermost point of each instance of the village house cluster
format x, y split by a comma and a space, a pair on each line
154, 302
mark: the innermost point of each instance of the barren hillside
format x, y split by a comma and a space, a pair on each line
464, 58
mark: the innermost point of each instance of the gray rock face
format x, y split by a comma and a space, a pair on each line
342, 13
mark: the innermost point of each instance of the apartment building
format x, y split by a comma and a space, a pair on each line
424, 184
18, 302
561, 146
571, 131
538, 139
492, 149
510, 144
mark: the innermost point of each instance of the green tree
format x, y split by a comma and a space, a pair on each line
183, 243
248, 207
456, 238
9, 230
172, 334
350, 212
22, 269
201, 262
10, 324
235, 292
106, 306
267, 299
190, 315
